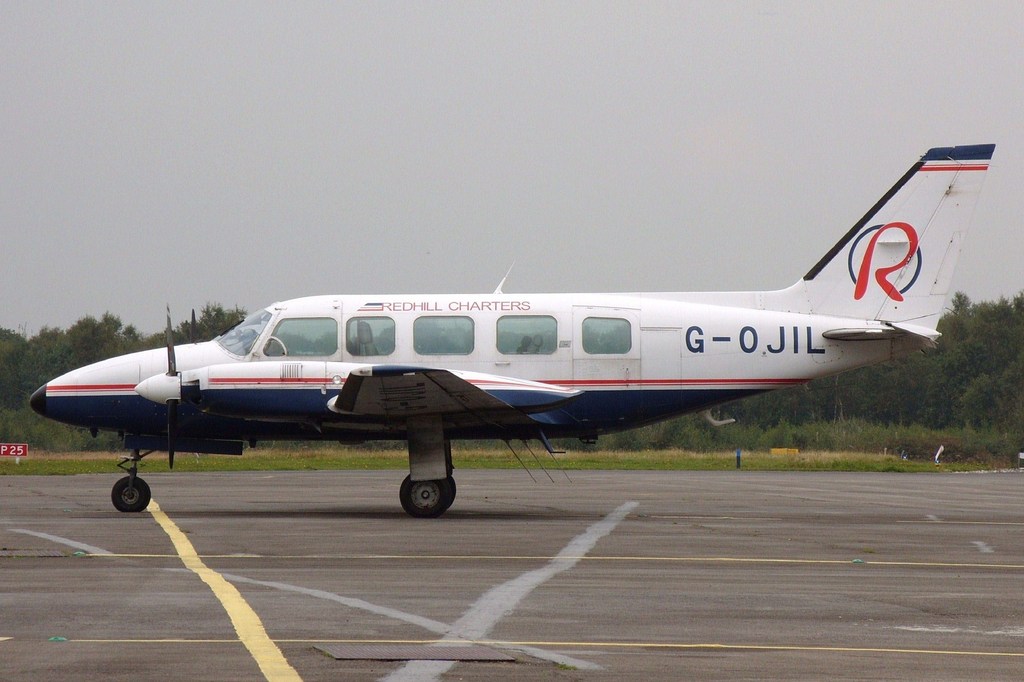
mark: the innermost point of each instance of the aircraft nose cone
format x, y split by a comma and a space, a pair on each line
38, 400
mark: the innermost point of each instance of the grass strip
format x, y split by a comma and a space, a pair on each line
46, 463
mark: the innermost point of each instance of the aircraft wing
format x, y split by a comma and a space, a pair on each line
400, 392
298, 392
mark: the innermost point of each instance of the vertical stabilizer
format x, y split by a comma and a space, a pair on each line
896, 264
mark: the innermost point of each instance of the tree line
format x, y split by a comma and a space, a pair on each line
965, 394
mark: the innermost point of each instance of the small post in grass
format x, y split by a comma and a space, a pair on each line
739, 454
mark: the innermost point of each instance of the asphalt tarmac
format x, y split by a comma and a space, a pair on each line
615, 575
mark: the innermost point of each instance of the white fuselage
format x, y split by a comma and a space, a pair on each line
636, 358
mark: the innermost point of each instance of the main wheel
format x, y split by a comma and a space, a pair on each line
426, 499
452, 485
130, 498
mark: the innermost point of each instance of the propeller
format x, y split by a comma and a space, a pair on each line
172, 403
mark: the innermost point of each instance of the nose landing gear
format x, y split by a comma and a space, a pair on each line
131, 493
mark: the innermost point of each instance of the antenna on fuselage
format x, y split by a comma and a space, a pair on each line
502, 282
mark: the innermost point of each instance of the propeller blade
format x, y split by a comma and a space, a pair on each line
172, 429
172, 368
172, 404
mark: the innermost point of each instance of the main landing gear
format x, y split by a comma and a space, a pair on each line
429, 489
427, 499
131, 493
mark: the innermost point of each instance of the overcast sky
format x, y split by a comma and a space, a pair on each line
244, 153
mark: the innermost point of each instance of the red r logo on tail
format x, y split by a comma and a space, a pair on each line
882, 274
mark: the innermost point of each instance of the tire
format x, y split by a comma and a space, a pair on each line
451, 496
426, 499
133, 499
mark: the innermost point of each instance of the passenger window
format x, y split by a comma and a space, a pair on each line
527, 335
443, 335
303, 337
606, 336
370, 336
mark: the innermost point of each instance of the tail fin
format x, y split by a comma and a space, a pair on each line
897, 262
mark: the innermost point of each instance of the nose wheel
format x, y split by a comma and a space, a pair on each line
131, 496
131, 493
427, 499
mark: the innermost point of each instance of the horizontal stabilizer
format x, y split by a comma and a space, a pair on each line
917, 330
863, 334
892, 330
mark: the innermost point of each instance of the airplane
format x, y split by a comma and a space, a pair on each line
430, 369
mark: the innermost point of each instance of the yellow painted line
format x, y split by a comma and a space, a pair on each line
135, 555
245, 621
641, 559
669, 645
677, 646
757, 647
929, 522
162, 640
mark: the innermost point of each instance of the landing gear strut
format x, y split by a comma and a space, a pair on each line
131, 493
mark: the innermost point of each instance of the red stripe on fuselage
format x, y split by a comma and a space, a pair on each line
272, 380
580, 383
89, 387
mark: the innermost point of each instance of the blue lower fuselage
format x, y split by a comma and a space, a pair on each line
291, 414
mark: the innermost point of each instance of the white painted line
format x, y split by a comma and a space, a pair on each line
428, 624
691, 517
499, 601
61, 541
945, 629
425, 623
984, 548
933, 517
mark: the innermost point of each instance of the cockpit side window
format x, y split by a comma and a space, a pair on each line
240, 339
303, 337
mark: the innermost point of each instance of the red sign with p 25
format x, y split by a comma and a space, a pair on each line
13, 450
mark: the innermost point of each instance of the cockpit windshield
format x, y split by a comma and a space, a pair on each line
239, 339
